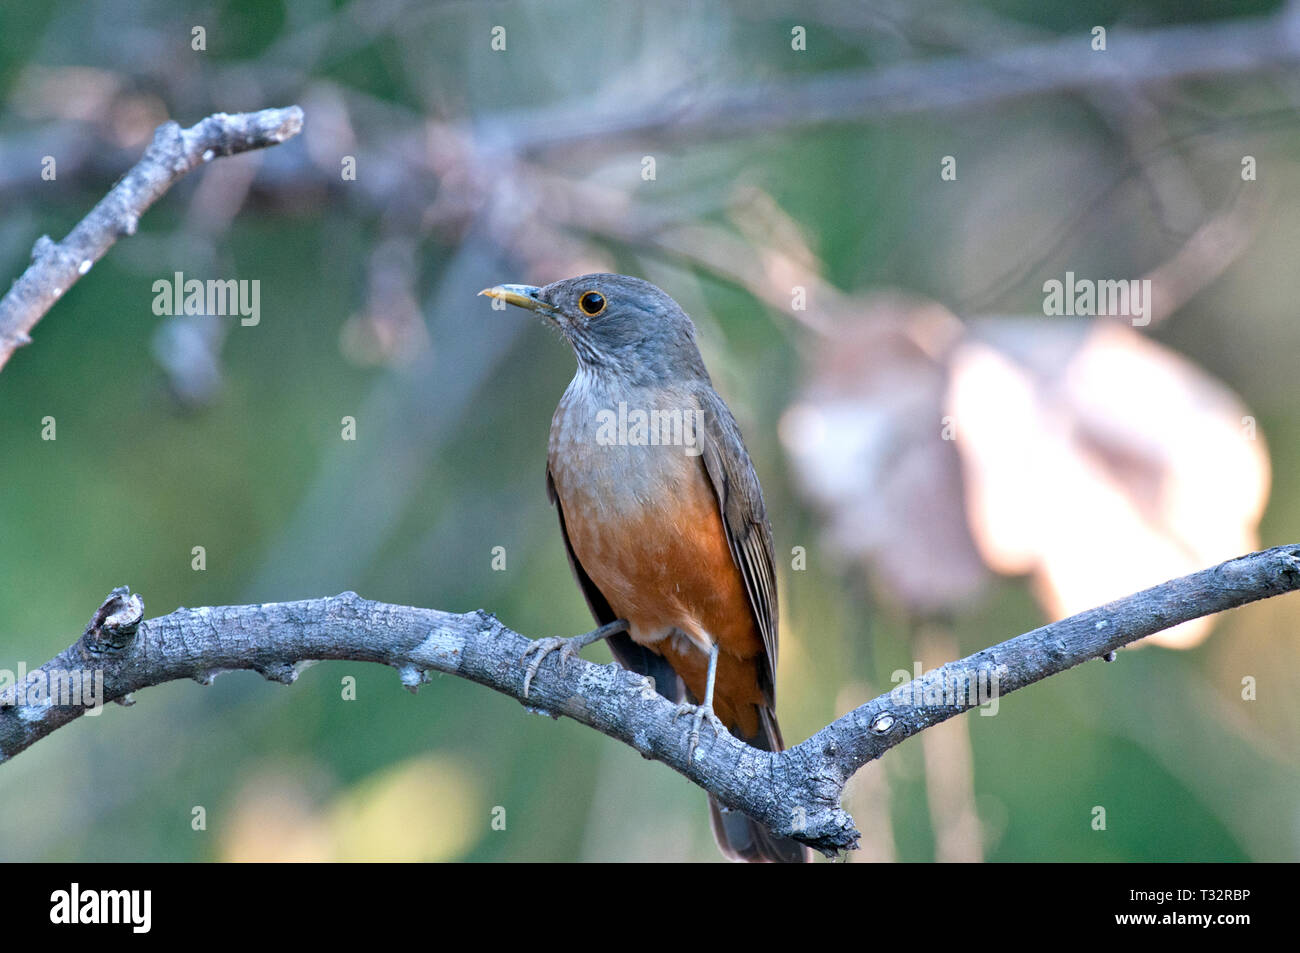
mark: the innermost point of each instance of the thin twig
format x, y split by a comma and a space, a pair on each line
175, 151
1134, 59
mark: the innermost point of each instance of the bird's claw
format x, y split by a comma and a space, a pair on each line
542, 648
701, 715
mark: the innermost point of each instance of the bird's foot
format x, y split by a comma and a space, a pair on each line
702, 714
537, 651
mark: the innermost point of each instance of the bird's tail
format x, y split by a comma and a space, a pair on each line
740, 837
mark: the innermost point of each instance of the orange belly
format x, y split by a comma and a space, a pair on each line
665, 566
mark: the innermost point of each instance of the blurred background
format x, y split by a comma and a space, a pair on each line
859, 204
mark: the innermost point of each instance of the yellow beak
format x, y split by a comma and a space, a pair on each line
521, 296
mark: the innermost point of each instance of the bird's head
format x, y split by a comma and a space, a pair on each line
617, 325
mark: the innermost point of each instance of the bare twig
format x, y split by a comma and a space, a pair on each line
796, 792
1135, 59
174, 151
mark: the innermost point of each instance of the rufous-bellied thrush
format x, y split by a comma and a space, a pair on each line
663, 519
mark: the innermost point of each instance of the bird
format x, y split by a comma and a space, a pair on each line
663, 521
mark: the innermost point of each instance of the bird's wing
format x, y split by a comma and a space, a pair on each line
749, 534
632, 656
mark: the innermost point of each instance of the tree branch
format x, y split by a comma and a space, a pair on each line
56, 267
1136, 58
796, 792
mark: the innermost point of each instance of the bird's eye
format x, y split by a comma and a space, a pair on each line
591, 303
